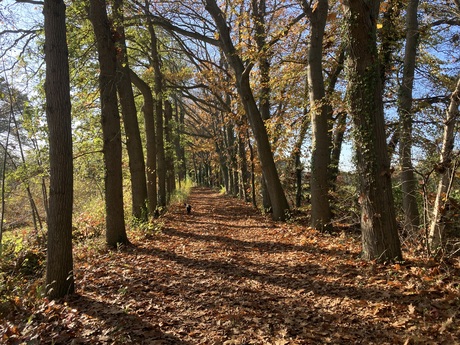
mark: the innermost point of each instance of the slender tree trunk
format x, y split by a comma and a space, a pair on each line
223, 162
149, 123
5, 156
33, 207
259, 11
320, 110
340, 123
278, 199
337, 140
110, 119
437, 228
232, 159
195, 168
177, 141
408, 181
131, 125
182, 158
59, 264
170, 173
159, 124
244, 167
253, 176
378, 221
296, 153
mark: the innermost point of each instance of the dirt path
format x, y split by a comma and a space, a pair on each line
226, 275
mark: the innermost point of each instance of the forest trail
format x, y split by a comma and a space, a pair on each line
227, 275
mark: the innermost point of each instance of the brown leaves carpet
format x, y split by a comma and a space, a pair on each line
227, 275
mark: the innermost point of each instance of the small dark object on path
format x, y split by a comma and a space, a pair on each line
188, 207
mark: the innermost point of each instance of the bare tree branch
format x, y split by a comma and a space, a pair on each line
34, 2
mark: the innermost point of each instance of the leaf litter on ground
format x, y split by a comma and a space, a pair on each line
226, 274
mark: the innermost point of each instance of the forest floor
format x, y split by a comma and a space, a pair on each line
227, 275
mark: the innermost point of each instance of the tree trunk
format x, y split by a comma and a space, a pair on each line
223, 162
149, 123
340, 123
243, 166
110, 118
380, 239
131, 125
408, 181
177, 141
158, 95
320, 118
232, 159
278, 199
337, 140
182, 158
253, 176
59, 264
296, 153
3, 171
170, 174
259, 11
437, 228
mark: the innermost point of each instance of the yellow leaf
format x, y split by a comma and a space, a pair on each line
411, 309
379, 26
445, 325
315, 6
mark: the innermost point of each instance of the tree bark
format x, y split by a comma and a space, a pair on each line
110, 119
259, 12
59, 264
232, 159
159, 123
278, 199
177, 141
149, 123
181, 154
437, 227
380, 239
340, 123
169, 154
337, 141
296, 153
320, 118
408, 181
243, 166
131, 125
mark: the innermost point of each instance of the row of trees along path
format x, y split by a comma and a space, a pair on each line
227, 275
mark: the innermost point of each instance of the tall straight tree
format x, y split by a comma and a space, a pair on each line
59, 265
380, 238
158, 96
320, 111
151, 147
169, 153
259, 9
110, 119
131, 125
278, 199
408, 181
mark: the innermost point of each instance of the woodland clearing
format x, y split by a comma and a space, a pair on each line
225, 274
